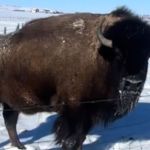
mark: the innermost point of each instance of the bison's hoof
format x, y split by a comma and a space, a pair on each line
71, 145
19, 146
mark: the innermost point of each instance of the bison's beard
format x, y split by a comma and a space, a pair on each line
129, 92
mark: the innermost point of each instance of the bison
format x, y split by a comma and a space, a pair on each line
89, 68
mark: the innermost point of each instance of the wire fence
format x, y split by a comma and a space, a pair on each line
83, 102
11, 24
6, 29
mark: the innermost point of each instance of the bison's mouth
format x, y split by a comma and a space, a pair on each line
129, 92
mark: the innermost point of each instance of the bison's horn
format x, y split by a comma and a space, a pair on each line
104, 41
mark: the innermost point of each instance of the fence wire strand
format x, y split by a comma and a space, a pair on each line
64, 104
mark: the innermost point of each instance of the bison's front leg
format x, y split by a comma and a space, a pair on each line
10, 119
71, 129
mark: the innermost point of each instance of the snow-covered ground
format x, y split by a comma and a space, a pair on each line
10, 19
132, 132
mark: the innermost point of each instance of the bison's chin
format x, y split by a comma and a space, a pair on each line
129, 92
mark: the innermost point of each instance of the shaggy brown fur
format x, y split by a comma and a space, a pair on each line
47, 51
60, 61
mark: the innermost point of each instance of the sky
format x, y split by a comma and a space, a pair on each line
96, 6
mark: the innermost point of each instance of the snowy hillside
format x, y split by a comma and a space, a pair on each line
132, 132
11, 16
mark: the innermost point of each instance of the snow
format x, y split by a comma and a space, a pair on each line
11, 19
36, 131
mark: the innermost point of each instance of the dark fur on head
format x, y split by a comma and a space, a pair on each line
130, 37
122, 12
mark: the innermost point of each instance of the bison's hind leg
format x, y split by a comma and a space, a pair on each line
71, 129
10, 119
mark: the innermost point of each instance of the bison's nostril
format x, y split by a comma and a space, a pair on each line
133, 81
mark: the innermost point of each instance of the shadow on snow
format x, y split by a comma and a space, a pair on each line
132, 127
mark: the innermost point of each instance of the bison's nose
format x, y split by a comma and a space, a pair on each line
131, 87
133, 81
132, 84
129, 92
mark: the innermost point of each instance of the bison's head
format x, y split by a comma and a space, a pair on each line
128, 43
